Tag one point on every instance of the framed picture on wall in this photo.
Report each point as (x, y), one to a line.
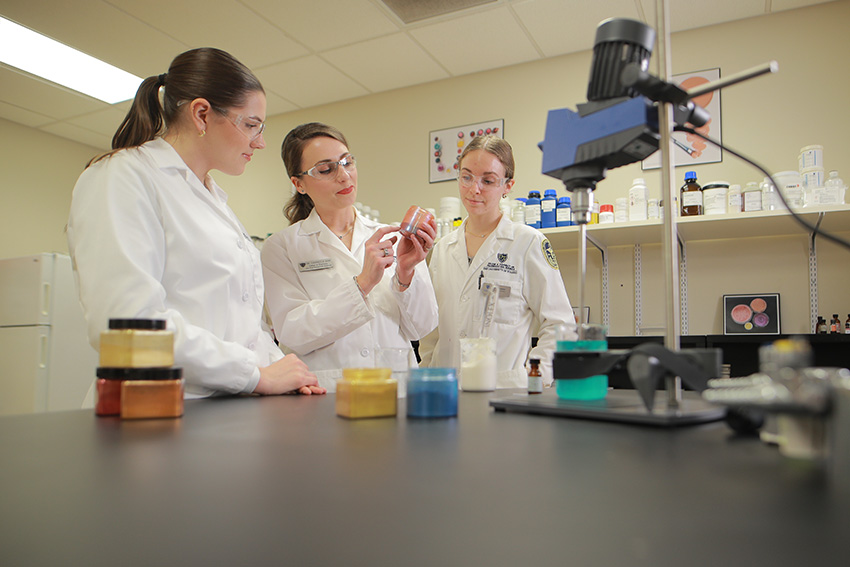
(446, 145)
(751, 314)
(690, 150)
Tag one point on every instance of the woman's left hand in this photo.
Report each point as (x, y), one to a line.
(412, 249)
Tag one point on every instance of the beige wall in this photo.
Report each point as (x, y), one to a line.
(769, 118)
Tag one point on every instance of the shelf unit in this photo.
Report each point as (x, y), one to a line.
(831, 219)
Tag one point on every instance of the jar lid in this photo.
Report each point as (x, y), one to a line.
(716, 185)
(168, 373)
(534, 361)
(606, 208)
(146, 324)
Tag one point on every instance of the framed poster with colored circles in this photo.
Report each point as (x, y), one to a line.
(445, 147)
(751, 314)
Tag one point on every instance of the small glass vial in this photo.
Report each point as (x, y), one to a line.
(690, 195)
(847, 325)
(821, 328)
(535, 378)
(835, 324)
(415, 217)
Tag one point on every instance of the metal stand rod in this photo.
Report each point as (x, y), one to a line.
(671, 250)
(582, 270)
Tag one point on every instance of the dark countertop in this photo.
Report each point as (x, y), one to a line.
(283, 481)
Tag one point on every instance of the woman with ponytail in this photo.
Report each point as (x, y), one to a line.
(151, 236)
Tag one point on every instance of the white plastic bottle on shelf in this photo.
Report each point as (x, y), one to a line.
(637, 200)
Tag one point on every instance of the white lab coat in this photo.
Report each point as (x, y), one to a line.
(148, 240)
(317, 311)
(518, 258)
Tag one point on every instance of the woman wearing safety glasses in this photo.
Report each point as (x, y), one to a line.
(338, 286)
(151, 235)
(489, 247)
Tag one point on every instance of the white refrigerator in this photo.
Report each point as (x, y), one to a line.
(46, 362)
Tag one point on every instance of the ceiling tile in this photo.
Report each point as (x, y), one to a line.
(386, 63)
(81, 135)
(325, 24)
(37, 95)
(484, 40)
(22, 115)
(554, 24)
(308, 81)
(691, 14)
(231, 26)
(104, 122)
(275, 104)
(100, 30)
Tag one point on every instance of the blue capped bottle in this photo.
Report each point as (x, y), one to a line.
(532, 209)
(563, 212)
(548, 218)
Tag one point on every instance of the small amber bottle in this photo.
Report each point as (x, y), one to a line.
(690, 195)
(535, 378)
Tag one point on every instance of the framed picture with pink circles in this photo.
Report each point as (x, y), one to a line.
(756, 314)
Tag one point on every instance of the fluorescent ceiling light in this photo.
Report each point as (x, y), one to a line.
(39, 55)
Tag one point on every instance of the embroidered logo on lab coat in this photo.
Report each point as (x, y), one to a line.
(549, 253)
(502, 257)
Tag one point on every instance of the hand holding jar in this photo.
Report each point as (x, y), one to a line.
(419, 230)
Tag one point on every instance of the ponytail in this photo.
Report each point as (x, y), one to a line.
(298, 208)
(144, 121)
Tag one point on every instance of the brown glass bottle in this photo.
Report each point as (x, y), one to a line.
(690, 196)
(535, 378)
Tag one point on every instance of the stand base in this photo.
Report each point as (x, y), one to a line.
(624, 406)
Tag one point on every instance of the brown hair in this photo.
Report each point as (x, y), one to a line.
(205, 72)
(292, 151)
(496, 146)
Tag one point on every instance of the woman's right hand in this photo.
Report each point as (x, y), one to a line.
(288, 375)
(376, 259)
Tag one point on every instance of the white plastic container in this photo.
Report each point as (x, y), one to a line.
(449, 207)
(811, 156)
(812, 177)
(637, 200)
(621, 209)
(714, 197)
(606, 214)
(791, 185)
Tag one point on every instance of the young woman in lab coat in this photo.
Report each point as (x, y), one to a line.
(338, 286)
(489, 247)
(151, 235)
